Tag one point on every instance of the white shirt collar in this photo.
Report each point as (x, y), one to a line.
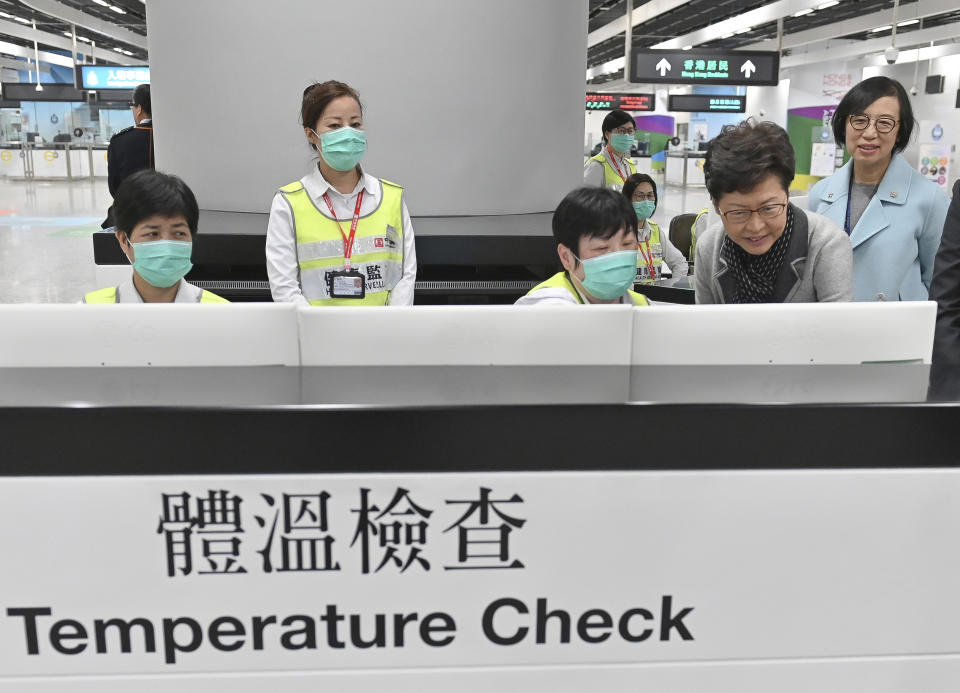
(316, 185)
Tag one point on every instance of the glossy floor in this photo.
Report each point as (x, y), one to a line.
(46, 251)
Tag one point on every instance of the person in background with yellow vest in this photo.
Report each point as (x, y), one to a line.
(613, 165)
(596, 234)
(655, 247)
(339, 236)
(156, 216)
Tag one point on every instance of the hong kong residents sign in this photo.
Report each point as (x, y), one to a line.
(705, 66)
(172, 575)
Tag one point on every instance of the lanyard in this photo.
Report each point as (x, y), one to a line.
(613, 160)
(648, 258)
(846, 223)
(347, 242)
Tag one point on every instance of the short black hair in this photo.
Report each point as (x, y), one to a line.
(147, 193)
(859, 98)
(591, 212)
(141, 97)
(636, 179)
(742, 155)
(615, 119)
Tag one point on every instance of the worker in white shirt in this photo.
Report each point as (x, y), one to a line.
(339, 236)
(156, 216)
(655, 247)
(596, 234)
(613, 165)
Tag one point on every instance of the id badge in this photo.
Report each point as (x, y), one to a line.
(347, 284)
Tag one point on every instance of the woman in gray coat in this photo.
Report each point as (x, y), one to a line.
(764, 249)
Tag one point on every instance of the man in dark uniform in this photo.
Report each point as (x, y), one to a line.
(130, 149)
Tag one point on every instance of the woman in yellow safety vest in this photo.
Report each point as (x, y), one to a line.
(613, 165)
(339, 236)
(156, 216)
(655, 247)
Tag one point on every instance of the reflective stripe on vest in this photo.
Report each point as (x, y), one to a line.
(562, 281)
(656, 250)
(610, 175)
(377, 248)
(109, 295)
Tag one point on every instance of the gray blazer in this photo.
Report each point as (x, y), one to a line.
(818, 265)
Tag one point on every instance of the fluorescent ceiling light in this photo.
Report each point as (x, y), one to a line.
(127, 53)
(102, 3)
(743, 30)
(22, 20)
(803, 12)
(83, 38)
(907, 22)
(885, 27)
(686, 48)
(68, 34)
(117, 9)
(727, 35)
(828, 3)
(118, 50)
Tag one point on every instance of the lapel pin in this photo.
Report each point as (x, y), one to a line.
(829, 194)
(893, 193)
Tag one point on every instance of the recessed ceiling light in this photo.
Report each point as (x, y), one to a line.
(885, 27)
(22, 20)
(127, 53)
(743, 30)
(102, 3)
(68, 34)
(118, 50)
(828, 3)
(908, 22)
(117, 9)
(803, 12)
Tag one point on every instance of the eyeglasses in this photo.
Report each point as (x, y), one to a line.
(742, 216)
(624, 131)
(638, 196)
(883, 124)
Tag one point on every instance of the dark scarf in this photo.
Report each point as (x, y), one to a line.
(757, 274)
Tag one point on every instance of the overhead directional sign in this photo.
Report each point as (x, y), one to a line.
(707, 103)
(100, 77)
(757, 68)
(623, 102)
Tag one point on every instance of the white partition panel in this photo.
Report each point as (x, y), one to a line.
(50, 335)
(474, 336)
(474, 107)
(788, 333)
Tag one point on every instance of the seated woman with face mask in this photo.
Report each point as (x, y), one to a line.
(655, 247)
(763, 249)
(596, 234)
(156, 216)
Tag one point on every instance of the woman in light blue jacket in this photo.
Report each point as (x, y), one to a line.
(893, 215)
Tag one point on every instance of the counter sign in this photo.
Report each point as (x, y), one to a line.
(623, 102)
(101, 77)
(758, 68)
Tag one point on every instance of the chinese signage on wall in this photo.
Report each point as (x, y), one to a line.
(707, 103)
(757, 68)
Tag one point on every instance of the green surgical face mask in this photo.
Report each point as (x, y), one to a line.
(609, 276)
(644, 209)
(162, 263)
(621, 143)
(342, 148)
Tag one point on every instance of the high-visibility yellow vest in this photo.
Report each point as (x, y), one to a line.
(562, 281)
(693, 232)
(377, 247)
(656, 251)
(109, 295)
(610, 175)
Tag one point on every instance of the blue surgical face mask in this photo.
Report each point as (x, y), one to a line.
(342, 148)
(621, 143)
(609, 276)
(162, 263)
(644, 209)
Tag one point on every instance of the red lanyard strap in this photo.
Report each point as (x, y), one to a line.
(347, 241)
(648, 258)
(613, 160)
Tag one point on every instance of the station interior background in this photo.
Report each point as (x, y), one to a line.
(229, 117)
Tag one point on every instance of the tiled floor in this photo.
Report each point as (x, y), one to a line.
(46, 254)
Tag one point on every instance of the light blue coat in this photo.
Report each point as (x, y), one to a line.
(897, 237)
